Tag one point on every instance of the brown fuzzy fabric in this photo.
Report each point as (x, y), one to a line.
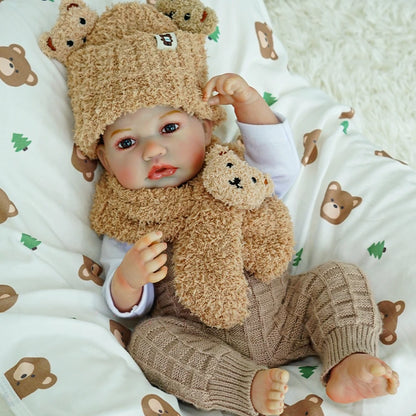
(189, 15)
(75, 22)
(133, 57)
(221, 223)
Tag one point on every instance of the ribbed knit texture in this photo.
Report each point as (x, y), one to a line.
(182, 359)
(327, 312)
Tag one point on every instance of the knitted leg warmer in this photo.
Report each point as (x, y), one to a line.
(181, 358)
(341, 316)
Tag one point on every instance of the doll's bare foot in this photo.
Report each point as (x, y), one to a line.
(268, 391)
(361, 376)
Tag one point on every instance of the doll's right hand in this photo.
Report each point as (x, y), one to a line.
(144, 262)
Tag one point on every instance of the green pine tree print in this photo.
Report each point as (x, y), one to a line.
(377, 249)
(345, 124)
(268, 97)
(307, 370)
(298, 257)
(30, 242)
(20, 142)
(215, 35)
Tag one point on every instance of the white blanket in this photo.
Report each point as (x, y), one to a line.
(61, 350)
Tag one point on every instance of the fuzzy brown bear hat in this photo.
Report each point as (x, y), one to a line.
(132, 56)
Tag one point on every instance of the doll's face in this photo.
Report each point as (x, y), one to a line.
(155, 147)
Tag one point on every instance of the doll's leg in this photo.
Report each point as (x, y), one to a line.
(343, 323)
(181, 358)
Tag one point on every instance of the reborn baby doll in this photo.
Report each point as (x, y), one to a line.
(137, 79)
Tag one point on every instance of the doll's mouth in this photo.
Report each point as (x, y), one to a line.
(204, 16)
(161, 171)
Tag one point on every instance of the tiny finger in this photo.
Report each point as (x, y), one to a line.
(155, 264)
(159, 275)
(150, 253)
(209, 88)
(147, 240)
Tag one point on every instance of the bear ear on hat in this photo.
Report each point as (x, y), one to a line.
(75, 21)
(188, 15)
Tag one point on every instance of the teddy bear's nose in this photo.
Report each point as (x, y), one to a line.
(236, 182)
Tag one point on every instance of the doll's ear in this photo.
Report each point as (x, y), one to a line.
(208, 126)
(102, 157)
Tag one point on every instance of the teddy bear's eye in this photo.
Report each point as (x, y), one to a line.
(82, 21)
(229, 165)
(254, 179)
(171, 14)
(187, 16)
(70, 43)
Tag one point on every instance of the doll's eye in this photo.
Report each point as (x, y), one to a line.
(254, 179)
(229, 165)
(187, 16)
(170, 128)
(82, 21)
(126, 143)
(70, 43)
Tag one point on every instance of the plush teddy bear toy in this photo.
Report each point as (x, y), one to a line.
(235, 224)
(76, 20)
(189, 15)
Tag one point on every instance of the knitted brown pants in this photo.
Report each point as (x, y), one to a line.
(327, 312)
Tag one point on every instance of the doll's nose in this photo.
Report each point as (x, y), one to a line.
(153, 149)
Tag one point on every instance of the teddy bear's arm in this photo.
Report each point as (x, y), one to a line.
(268, 240)
(208, 266)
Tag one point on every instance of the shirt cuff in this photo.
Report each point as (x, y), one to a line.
(141, 309)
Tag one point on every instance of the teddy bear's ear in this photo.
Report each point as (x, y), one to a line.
(210, 21)
(269, 185)
(75, 21)
(215, 151)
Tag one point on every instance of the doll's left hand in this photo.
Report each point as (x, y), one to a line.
(231, 89)
(249, 105)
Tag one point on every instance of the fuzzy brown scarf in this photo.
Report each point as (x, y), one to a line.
(221, 223)
(126, 214)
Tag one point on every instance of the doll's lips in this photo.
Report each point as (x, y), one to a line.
(161, 171)
(204, 16)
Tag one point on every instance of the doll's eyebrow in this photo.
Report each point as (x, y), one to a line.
(119, 131)
(169, 113)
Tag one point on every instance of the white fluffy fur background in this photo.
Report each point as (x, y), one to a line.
(363, 53)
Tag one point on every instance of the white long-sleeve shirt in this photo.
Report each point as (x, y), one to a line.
(270, 148)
